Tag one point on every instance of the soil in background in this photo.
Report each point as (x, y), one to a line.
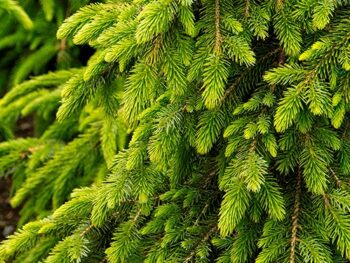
(8, 215)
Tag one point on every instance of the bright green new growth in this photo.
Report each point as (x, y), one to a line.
(238, 147)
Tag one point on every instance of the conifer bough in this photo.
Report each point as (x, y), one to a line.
(239, 145)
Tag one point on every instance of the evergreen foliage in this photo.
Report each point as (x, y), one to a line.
(28, 43)
(198, 131)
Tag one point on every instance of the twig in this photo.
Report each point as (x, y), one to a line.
(247, 8)
(218, 37)
(202, 213)
(88, 229)
(203, 240)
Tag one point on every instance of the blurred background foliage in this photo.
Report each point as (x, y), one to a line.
(29, 47)
(28, 42)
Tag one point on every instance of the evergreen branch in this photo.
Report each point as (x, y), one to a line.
(87, 230)
(186, 72)
(201, 214)
(246, 72)
(339, 183)
(203, 240)
(138, 214)
(295, 217)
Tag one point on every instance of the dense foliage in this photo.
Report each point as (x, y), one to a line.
(203, 131)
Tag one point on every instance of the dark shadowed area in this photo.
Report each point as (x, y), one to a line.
(8, 215)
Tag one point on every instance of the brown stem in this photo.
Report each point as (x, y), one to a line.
(136, 216)
(63, 44)
(247, 8)
(336, 178)
(218, 37)
(281, 60)
(326, 201)
(86, 230)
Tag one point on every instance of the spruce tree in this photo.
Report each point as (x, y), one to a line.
(236, 123)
